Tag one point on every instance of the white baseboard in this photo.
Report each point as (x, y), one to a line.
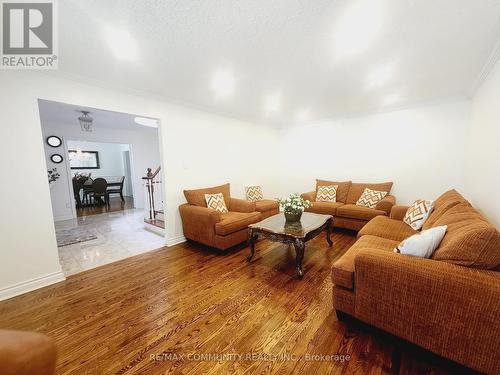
(29, 285)
(175, 240)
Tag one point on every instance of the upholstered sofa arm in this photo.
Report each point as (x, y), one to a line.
(241, 205)
(426, 301)
(386, 204)
(310, 196)
(198, 223)
(398, 212)
(26, 353)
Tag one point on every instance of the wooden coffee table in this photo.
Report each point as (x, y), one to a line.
(276, 229)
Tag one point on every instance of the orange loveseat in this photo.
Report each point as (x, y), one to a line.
(345, 212)
(449, 304)
(213, 228)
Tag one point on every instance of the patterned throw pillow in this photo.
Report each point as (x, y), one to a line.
(370, 198)
(327, 193)
(216, 202)
(418, 213)
(254, 193)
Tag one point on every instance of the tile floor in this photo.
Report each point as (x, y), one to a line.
(119, 235)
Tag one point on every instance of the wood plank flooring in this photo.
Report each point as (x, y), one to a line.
(156, 313)
(115, 204)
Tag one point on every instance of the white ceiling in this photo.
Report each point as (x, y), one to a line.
(296, 48)
(67, 114)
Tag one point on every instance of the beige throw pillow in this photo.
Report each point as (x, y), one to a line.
(254, 193)
(370, 198)
(216, 202)
(418, 213)
(327, 193)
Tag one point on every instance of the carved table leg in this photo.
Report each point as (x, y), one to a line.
(329, 232)
(299, 250)
(251, 241)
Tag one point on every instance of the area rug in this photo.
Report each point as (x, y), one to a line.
(71, 236)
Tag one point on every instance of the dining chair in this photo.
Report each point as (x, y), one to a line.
(118, 189)
(87, 189)
(99, 190)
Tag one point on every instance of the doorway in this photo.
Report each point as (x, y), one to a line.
(98, 183)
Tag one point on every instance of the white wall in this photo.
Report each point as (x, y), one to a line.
(421, 150)
(483, 148)
(145, 152)
(198, 149)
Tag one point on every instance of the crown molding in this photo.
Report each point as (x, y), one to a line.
(493, 58)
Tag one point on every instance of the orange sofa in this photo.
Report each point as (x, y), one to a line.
(345, 212)
(449, 304)
(267, 207)
(26, 353)
(213, 228)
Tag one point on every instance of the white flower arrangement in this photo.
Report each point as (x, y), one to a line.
(294, 204)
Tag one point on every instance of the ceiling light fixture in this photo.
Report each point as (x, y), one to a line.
(272, 103)
(357, 28)
(86, 122)
(144, 121)
(122, 44)
(223, 83)
(380, 75)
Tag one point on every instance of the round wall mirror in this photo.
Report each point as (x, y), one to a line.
(54, 141)
(56, 158)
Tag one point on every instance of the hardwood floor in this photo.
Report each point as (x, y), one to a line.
(115, 204)
(143, 314)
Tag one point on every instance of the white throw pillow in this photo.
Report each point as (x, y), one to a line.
(422, 244)
(418, 213)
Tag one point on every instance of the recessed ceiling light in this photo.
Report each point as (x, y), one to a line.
(391, 99)
(380, 75)
(144, 121)
(272, 102)
(122, 44)
(223, 83)
(357, 28)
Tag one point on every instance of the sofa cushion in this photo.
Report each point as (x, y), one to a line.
(266, 205)
(470, 240)
(382, 226)
(358, 212)
(343, 269)
(234, 221)
(356, 189)
(370, 198)
(197, 197)
(327, 193)
(254, 193)
(442, 204)
(342, 188)
(326, 208)
(216, 202)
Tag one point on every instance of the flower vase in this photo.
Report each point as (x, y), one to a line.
(292, 217)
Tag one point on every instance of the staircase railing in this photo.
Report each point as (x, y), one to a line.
(154, 195)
